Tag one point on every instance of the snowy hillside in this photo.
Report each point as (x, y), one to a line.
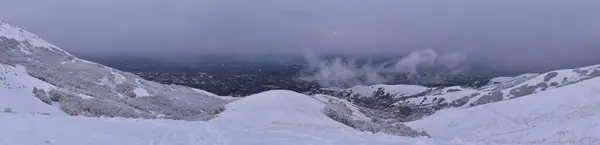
(567, 115)
(513, 80)
(278, 108)
(16, 92)
(91, 89)
(425, 101)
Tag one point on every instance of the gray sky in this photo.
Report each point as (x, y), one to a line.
(508, 33)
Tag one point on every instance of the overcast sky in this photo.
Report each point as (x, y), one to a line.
(502, 32)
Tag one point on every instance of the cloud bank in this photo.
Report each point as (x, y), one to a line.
(346, 72)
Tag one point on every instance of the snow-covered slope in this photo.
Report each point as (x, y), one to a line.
(278, 108)
(269, 118)
(28, 129)
(91, 89)
(422, 101)
(16, 92)
(567, 115)
(504, 88)
(509, 80)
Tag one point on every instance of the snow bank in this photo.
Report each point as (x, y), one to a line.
(566, 115)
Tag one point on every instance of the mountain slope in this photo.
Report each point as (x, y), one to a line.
(106, 91)
(426, 101)
(16, 92)
(567, 115)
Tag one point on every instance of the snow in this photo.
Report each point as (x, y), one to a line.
(84, 96)
(16, 88)
(141, 92)
(28, 129)
(227, 98)
(280, 108)
(11, 31)
(502, 80)
(356, 114)
(269, 118)
(119, 78)
(400, 90)
(566, 115)
(448, 97)
(104, 81)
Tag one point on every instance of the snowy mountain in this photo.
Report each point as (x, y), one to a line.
(566, 115)
(49, 96)
(80, 87)
(43, 84)
(424, 101)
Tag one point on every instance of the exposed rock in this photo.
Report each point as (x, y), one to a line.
(492, 97)
(550, 75)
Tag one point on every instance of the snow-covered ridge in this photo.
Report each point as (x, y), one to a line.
(430, 100)
(13, 32)
(83, 85)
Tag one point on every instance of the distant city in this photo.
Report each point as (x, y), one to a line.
(235, 76)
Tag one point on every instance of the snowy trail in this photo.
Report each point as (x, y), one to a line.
(31, 129)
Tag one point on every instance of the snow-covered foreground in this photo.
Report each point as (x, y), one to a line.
(29, 129)
(567, 115)
(270, 118)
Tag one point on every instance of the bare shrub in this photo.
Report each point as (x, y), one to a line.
(41, 94)
(341, 113)
(8, 110)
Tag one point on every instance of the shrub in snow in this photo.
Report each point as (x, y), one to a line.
(126, 89)
(75, 105)
(489, 98)
(215, 111)
(55, 95)
(341, 113)
(41, 94)
(453, 90)
(7, 110)
(550, 75)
